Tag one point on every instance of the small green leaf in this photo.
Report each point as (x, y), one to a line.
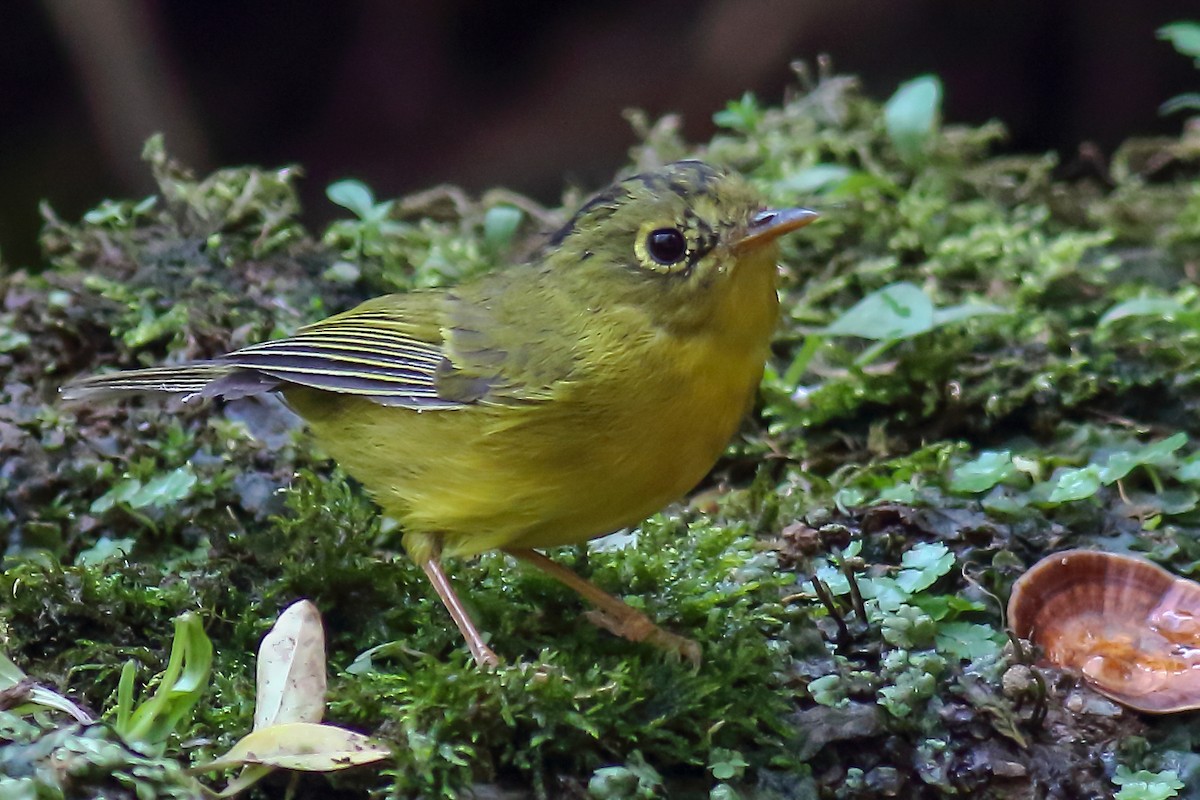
(945, 606)
(740, 115)
(1160, 453)
(817, 178)
(829, 690)
(352, 195)
(1076, 484)
(886, 592)
(1189, 469)
(1184, 37)
(911, 115)
(635, 779)
(1163, 307)
(13, 340)
(968, 641)
(1117, 467)
(164, 490)
(1146, 785)
(500, 224)
(850, 497)
(10, 673)
(160, 491)
(343, 272)
(898, 311)
(922, 565)
(105, 549)
(120, 493)
(899, 493)
(990, 468)
(612, 783)
(726, 764)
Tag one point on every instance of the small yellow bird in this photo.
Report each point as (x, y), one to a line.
(545, 404)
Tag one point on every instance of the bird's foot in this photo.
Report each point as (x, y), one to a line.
(485, 657)
(635, 626)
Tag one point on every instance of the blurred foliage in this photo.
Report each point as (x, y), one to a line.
(1185, 38)
(980, 362)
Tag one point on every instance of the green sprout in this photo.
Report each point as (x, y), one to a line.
(147, 726)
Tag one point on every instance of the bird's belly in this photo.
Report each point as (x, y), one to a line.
(547, 474)
(599, 472)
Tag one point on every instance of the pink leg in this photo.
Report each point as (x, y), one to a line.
(612, 614)
(483, 654)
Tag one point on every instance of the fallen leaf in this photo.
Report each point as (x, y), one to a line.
(291, 669)
(304, 746)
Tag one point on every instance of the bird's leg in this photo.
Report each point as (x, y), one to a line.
(610, 613)
(483, 654)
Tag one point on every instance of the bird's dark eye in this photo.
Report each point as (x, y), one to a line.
(666, 246)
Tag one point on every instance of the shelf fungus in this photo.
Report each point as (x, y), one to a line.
(1131, 628)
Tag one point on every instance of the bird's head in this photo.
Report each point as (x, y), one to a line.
(674, 237)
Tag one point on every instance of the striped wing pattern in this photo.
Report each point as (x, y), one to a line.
(353, 356)
(367, 352)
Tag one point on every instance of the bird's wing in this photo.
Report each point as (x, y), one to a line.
(421, 350)
(424, 350)
(387, 350)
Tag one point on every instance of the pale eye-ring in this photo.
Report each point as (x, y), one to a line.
(666, 246)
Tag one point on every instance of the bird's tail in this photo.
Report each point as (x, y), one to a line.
(199, 379)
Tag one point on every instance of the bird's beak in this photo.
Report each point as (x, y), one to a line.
(767, 226)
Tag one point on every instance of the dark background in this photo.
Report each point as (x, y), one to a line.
(525, 94)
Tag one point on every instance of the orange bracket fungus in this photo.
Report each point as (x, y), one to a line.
(1131, 628)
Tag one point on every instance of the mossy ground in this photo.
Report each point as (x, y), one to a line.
(933, 463)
